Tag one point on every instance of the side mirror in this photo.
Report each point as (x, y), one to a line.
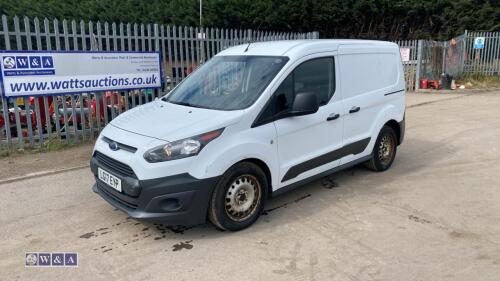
(304, 104)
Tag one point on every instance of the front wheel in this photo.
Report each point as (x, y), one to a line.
(239, 197)
(384, 150)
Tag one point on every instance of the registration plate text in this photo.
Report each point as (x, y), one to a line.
(109, 179)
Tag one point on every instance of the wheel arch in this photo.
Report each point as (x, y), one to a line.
(261, 164)
(396, 127)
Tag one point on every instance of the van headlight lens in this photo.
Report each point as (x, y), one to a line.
(182, 148)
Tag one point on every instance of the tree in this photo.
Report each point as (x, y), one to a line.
(377, 19)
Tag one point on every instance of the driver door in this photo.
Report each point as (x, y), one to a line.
(307, 144)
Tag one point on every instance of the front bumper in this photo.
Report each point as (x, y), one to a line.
(174, 200)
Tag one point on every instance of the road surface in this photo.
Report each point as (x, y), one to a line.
(433, 216)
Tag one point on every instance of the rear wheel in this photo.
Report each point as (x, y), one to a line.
(239, 197)
(384, 150)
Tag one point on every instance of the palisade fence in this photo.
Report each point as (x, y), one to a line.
(31, 121)
(485, 61)
(457, 57)
(410, 66)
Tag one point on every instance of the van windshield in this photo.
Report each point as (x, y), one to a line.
(227, 82)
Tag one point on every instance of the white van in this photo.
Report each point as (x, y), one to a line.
(252, 122)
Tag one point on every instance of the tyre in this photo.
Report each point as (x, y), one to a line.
(384, 150)
(239, 197)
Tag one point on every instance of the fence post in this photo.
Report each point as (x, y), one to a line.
(463, 53)
(5, 101)
(443, 62)
(419, 61)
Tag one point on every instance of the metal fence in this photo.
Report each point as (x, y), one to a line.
(457, 57)
(31, 121)
(410, 65)
(485, 61)
(431, 64)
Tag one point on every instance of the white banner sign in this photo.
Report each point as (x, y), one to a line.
(405, 54)
(45, 73)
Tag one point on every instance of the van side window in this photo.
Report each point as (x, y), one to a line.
(284, 95)
(280, 101)
(315, 76)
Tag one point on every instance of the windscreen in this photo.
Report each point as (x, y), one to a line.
(227, 82)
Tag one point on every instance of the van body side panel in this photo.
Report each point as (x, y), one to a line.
(239, 144)
(303, 139)
(367, 74)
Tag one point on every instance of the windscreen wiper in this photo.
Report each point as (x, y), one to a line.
(187, 104)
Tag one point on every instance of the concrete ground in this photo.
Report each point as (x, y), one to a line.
(31, 164)
(433, 216)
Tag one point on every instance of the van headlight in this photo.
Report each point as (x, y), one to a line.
(182, 148)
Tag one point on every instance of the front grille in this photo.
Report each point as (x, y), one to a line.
(114, 165)
(110, 196)
(120, 145)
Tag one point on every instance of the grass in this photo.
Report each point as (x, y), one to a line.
(52, 144)
(479, 81)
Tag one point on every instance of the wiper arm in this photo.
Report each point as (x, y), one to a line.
(187, 104)
(181, 103)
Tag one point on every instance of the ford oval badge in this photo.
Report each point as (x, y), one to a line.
(113, 146)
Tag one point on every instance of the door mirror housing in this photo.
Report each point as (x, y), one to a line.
(304, 104)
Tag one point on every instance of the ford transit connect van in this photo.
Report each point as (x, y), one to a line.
(252, 122)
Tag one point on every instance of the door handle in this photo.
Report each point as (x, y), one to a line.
(332, 116)
(354, 109)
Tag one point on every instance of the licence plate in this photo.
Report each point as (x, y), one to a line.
(109, 179)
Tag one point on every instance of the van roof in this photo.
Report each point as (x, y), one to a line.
(298, 47)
